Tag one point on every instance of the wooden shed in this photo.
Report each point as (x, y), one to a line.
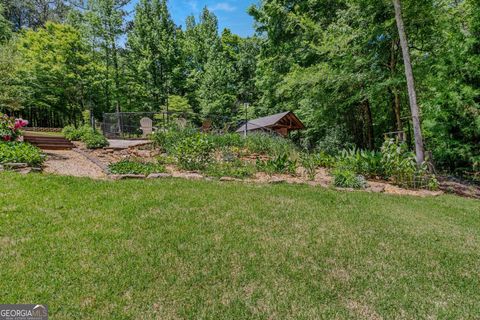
(280, 123)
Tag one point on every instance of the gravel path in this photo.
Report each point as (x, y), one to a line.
(71, 163)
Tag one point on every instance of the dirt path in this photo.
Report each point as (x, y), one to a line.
(71, 163)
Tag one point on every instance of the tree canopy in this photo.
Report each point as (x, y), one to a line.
(337, 63)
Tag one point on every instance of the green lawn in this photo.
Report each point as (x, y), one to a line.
(178, 249)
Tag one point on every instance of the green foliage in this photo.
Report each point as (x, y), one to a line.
(56, 66)
(227, 140)
(20, 152)
(278, 164)
(268, 144)
(309, 163)
(364, 162)
(135, 167)
(153, 49)
(76, 134)
(235, 169)
(347, 178)
(400, 167)
(168, 139)
(194, 152)
(94, 140)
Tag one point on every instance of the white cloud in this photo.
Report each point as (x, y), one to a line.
(223, 6)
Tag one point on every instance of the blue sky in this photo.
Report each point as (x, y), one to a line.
(231, 14)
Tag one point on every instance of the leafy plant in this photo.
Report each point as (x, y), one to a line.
(10, 127)
(20, 152)
(364, 162)
(309, 163)
(94, 140)
(235, 169)
(135, 167)
(400, 166)
(346, 178)
(278, 164)
(227, 140)
(169, 138)
(72, 133)
(194, 152)
(268, 144)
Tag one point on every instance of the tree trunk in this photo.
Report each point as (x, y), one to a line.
(368, 124)
(417, 130)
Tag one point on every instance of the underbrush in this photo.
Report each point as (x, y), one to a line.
(193, 150)
(20, 152)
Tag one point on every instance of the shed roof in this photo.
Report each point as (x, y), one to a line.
(284, 119)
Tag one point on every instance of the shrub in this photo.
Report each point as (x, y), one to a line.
(227, 140)
(278, 164)
(268, 144)
(135, 167)
(309, 163)
(20, 152)
(235, 169)
(194, 152)
(346, 178)
(366, 163)
(10, 127)
(76, 134)
(334, 141)
(323, 159)
(400, 166)
(94, 140)
(168, 139)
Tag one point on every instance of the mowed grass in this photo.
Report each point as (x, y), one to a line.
(178, 249)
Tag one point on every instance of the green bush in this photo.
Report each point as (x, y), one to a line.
(268, 144)
(227, 140)
(135, 167)
(364, 162)
(346, 178)
(20, 152)
(309, 163)
(399, 165)
(194, 152)
(94, 140)
(278, 164)
(76, 134)
(235, 169)
(167, 140)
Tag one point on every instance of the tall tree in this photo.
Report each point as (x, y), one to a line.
(417, 129)
(154, 52)
(106, 19)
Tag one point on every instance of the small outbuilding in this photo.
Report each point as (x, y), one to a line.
(280, 123)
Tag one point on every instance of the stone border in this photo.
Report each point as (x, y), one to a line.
(22, 168)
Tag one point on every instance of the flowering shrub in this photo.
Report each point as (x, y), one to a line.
(10, 127)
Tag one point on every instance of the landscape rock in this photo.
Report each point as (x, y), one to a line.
(227, 179)
(376, 188)
(193, 176)
(15, 165)
(276, 180)
(126, 176)
(159, 175)
(24, 170)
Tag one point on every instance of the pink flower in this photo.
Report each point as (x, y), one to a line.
(20, 123)
(7, 138)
